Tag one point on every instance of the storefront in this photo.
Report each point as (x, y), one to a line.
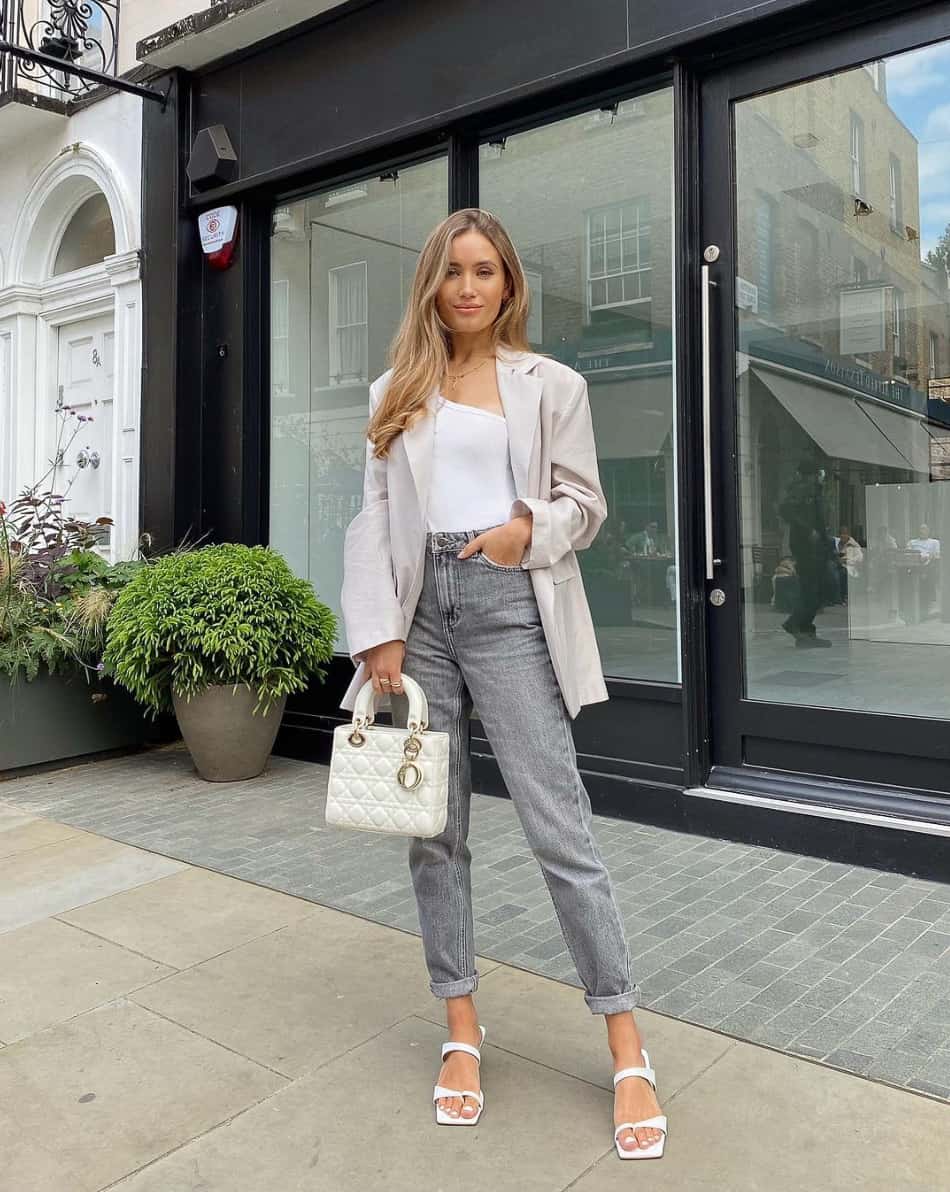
(737, 228)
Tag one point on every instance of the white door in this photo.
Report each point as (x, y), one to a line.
(85, 384)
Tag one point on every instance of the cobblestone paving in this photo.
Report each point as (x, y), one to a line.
(846, 965)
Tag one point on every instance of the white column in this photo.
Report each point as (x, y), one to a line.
(125, 275)
(19, 308)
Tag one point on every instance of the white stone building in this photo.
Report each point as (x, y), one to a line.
(70, 272)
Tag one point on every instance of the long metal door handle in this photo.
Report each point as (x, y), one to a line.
(711, 560)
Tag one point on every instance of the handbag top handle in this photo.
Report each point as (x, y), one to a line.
(364, 709)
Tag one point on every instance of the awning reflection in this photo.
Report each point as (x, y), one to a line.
(845, 427)
(633, 416)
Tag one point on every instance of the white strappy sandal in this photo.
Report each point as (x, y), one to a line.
(446, 1119)
(658, 1122)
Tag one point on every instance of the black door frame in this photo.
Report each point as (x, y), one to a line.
(751, 736)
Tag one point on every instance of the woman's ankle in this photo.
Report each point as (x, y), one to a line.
(623, 1036)
(460, 1013)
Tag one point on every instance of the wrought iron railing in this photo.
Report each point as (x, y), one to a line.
(84, 33)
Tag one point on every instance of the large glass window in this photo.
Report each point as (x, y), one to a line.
(843, 384)
(599, 253)
(342, 262)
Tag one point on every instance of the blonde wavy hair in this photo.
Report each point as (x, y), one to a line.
(420, 351)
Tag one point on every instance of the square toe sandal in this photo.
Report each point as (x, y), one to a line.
(446, 1119)
(658, 1122)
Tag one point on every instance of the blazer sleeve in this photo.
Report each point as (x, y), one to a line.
(577, 508)
(371, 610)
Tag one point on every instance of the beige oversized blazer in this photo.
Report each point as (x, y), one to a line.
(554, 463)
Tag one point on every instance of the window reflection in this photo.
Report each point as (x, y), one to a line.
(843, 375)
(342, 262)
(600, 250)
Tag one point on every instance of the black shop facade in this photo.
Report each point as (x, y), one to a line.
(734, 224)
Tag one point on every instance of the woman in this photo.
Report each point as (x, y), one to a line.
(481, 481)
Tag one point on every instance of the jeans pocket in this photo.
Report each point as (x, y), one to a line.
(498, 566)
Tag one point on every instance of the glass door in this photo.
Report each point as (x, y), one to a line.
(827, 354)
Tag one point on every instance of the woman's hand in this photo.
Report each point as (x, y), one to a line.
(385, 662)
(502, 544)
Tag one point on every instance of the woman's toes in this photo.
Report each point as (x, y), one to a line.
(469, 1108)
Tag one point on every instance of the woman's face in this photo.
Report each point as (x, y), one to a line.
(474, 286)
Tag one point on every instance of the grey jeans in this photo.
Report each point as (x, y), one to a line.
(477, 635)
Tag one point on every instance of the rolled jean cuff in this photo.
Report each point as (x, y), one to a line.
(615, 1004)
(455, 988)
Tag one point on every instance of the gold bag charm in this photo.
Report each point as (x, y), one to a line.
(411, 749)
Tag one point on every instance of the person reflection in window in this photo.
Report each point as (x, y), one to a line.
(850, 560)
(924, 544)
(929, 550)
(882, 578)
(803, 507)
(644, 541)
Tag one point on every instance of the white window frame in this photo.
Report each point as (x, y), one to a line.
(894, 195)
(535, 327)
(873, 69)
(898, 322)
(640, 202)
(766, 279)
(280, 337)
(335, 326)
(857, 154)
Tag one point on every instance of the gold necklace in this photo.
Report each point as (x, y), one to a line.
(456, 377)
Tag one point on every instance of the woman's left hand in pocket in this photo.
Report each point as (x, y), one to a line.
(503, 544)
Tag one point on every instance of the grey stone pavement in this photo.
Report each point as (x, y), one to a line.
(840, 964)
(166, 1028)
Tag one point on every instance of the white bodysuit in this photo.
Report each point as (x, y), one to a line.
(472, 485)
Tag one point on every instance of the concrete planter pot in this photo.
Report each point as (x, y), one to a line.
(227, 742)
(55, 717)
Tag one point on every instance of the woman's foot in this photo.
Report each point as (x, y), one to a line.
(460, 1071)
(634, 1098)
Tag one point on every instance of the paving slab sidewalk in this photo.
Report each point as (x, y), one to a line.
(845, 964)
(165, 1028)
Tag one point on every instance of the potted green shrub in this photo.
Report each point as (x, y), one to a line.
(222, 635)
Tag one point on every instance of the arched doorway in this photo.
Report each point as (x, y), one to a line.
(76, 360)
(85, 376)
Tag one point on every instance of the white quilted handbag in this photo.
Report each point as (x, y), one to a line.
(386, 779)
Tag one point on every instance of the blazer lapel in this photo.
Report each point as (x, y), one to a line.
(520, 393)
